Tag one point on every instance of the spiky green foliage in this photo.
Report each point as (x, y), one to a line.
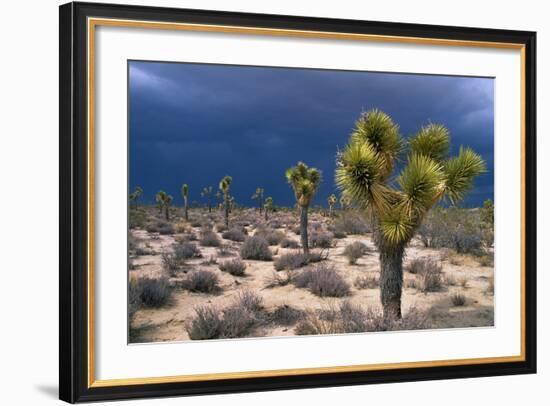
(268, 206)
(164, 200)
(428, 176)
(185, 195)
(331, 200)
(304, 181)
(136, 194)
(224, 186)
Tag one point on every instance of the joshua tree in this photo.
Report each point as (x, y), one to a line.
(207, 194)
(135, 195)
(488, 212)
(305, 182)
(259, 196)
(185, 195)
(225, 184)
(268, 206)
(363, 173)
(331, 202)
(163, 201)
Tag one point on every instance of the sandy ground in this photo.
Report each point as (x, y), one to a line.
(168, 323)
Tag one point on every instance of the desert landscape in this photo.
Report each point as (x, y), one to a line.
(199, 279)
(274, 201)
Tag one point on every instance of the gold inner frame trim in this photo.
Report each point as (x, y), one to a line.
(94, 22)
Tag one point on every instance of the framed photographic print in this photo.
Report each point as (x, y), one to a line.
(258, 202)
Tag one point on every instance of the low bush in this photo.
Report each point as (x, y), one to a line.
(285, 315)
(234, 234)
(235, 267)
(290, 261)
(322, 280)
(201, 281)
(257, 248)
(137, 218)
(237, 320)
(350, 318)
(352, 223)
(186, 250)
(339, 234)
(354, 251)
(321, 240)
(430, 281)
(273, 237)
(221, 227)
(289, 243)
(210, 239)
(206, 325)
(423, 265)
(458, 299)
(166, 228)
(366, 282)
(279, 279)
(154, 292)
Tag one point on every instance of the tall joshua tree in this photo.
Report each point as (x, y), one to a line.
(305, 182)
(259, 196)
(363, 173)
(135, 195)
(268, 207)
(207, 194)
(185, 195)
(225, 184)
(331, 202)
(163, 201)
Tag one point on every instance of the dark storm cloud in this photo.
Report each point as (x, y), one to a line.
(195, 123)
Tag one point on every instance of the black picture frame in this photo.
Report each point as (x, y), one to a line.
(73, 284)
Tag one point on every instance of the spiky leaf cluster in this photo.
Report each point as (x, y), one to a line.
(366, 164)
(304, 181)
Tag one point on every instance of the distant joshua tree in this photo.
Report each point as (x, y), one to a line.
(305, 182)
(331, 202)
(259, 196)
(135, 195)
(207, 194)
(185, 195)
(268, 206)
(163, 202)
(488, 212)
(364, 174)
(225, 184)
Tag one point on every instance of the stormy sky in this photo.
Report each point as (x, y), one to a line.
(195, 123)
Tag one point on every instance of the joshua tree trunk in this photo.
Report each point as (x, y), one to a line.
(226, 204)
(186, 210)
(167, 213)
(330, 213)
(391, 281)
(265, 213)
(303, 228)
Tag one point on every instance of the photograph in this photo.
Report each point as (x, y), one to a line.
(282, 201)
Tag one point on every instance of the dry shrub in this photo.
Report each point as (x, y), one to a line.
(354, 251)
(321, 240)
(366, 282)
(352, 223)
(234, 234)
(153, 292)
(201, 281)
(423, 265)
(237, 320)
(458, 299)
(235, 267)
(463, 281)
(350, 318)
(289, 243)
(209, 239)
(290, 261)
(257, 248)
(322, 280)
(285, 315)
(225, 250)
(186, 250)
(273, 237)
